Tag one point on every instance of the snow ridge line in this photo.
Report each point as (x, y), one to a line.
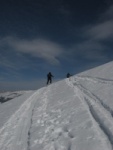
(14, 134)
(95, 79)
(100, 115)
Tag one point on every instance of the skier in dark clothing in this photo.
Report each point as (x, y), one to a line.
(49, 78)
(68, 75)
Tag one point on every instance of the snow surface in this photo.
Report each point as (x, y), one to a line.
(11, 102)
(72, 114)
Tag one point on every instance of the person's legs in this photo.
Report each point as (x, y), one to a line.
(49, 80)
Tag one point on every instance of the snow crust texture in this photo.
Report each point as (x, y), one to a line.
(72, 114)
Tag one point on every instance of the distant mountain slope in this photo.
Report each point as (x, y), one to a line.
(11, 102)
(6, 96)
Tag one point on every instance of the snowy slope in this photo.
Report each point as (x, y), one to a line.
(72, 114)
(11, 101)
(104, 71)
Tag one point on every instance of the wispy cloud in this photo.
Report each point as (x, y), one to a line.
(94, 47)
(6, 63)
(101, 31)
(44, 49)
(13, 61)
(108, 14)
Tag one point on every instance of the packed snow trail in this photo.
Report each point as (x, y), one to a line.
(95, 79)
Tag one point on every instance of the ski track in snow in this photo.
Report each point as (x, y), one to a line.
(101, 113)
(102, 136)
(15, 134)
(95, 79)
(95, 98)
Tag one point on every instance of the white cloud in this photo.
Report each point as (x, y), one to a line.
(6, 63)
(109, 13)
(40, 48)
(101, 31)
(14, 61)
(95, 35)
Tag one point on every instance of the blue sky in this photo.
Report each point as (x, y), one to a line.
(38, 36)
